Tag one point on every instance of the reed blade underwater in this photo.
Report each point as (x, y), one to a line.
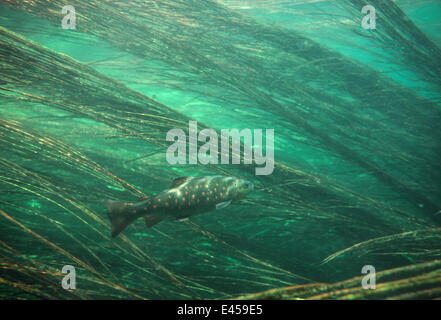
(186, 197)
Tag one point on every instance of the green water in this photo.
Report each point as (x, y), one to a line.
(84, 115)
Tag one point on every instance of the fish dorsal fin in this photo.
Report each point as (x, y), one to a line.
(178, 181)
(222, 205)
(143, 198)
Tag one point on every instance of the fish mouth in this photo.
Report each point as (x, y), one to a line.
(248, 185)
(241, 188)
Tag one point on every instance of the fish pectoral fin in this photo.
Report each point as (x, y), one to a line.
(151, 220)
(178, 181)
(182, 218)
(222, 205)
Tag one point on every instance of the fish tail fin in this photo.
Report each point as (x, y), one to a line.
(119, 217)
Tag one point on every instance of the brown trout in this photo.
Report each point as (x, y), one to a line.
(186, 197)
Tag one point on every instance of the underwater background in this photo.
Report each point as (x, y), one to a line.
(84, 115)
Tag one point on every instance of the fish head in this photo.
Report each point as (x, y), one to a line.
(238, 188)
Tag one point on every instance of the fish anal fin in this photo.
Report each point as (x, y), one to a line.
(178, 181)
(151, 220)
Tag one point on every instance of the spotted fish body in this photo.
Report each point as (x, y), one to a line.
(187, 196)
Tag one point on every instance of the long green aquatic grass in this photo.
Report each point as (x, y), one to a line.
(355, 179)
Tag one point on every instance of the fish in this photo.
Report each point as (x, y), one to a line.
(186, 197)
